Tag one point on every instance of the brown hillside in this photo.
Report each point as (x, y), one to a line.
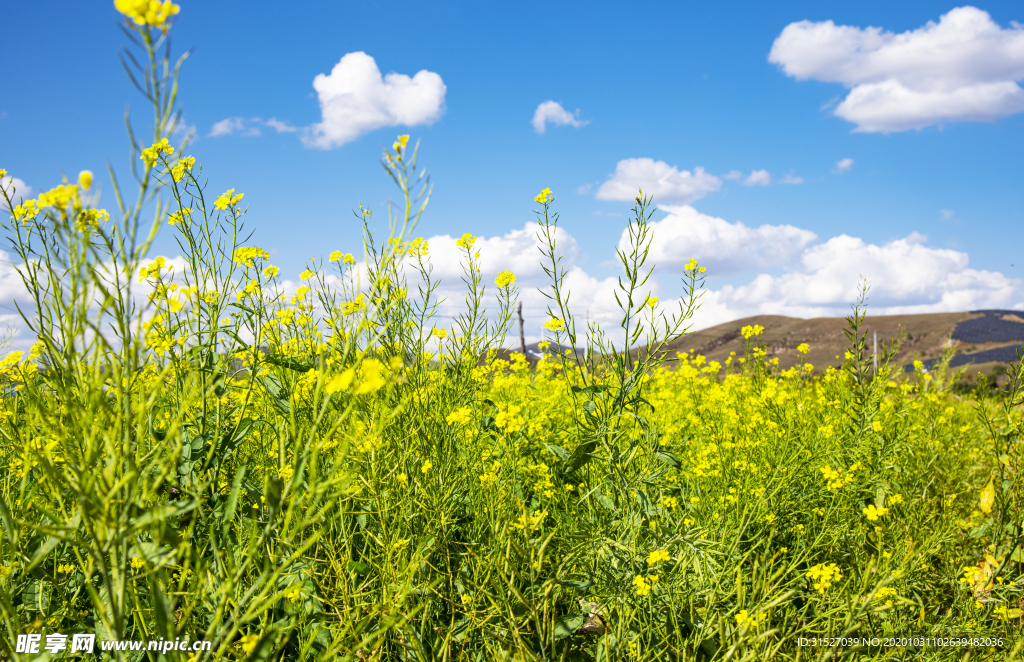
(925, 337)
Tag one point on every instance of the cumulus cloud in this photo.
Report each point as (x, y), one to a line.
(791, 179)
(758, 178)
(906, 277)
(809, 278)
(16, 188)
(724, 248)
(666, 183)
(249, 127)
(551, 112)
(963, 68)
(356, 99)
(843, 165)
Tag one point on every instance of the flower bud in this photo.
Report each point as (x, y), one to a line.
(85, 180)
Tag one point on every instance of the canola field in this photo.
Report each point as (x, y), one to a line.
(191, 453)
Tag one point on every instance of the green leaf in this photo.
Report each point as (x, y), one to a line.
(565, 626)
(277, 391)
(562, 454)
(291, 362)
(358, 567)
(668, 458)
(582, 586)
(580, 456)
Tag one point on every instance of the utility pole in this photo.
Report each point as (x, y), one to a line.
(874, 356)
(522, 337)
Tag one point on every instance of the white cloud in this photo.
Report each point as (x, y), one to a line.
(733, 174)
(279, 126)
(226, 127)
(906, 277)
(16, 188)
(843, 165)
(553, 113)
(249, 127)
(355, 99)
(758, 178)
(963, 68)
(817, 279)
(666, 183)
(791, 179)
(724, 248)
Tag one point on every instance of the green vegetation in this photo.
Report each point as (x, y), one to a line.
(189, 453)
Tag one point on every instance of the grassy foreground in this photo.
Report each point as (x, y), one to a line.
(189, 453)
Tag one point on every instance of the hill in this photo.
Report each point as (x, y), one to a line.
(984, 337)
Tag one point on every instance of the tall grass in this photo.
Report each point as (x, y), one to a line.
(190, 453)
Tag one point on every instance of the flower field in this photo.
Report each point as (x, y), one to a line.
(191, 453)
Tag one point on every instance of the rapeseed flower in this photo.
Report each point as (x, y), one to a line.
(184, 165)
(84, 180)
(874, 513)
(148, 12)
(505, 279)
(227, 200)
(544, 196)
(153, 153)
(823, 575)
(658, 556)
(554, 324)
(466, 241)
(179, 216)
(746, 618)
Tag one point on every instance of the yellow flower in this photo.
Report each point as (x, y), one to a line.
(85, 180)
(335, 256)
(751, 331)
(657, 557)
(803, 348)
(554, 324)
(270, 271)
(823, 575)
(246, 254)
(184, 165)
(137, 563)
(152, 154)
(148, 12)
(400, 144)
(341, 382)
(306, 275)
(873, 513)
(371, 377)
(248, 643)
(426, 467)
(746, 618)
(440, 333)
(402, 478)
(179, 216)
(642, 586)
(466, 241)
(348, 259)
(652, 302)
(544, 196)
(505, 279)
(90, 219)
(460, 416)
(227, 200)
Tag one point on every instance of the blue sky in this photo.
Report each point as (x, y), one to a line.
(687, 84)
